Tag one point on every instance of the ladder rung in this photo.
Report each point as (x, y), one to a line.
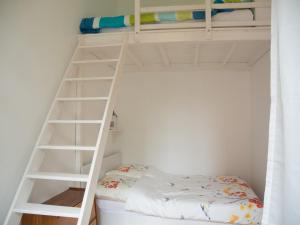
(95, 61)
(48, 210)
(58, 176)
(66, 147)
(101, 46)
(88, 78)
(75, 121)
(83, 99)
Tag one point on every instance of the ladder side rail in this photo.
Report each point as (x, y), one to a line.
(208, 19)
(25, 186)
(137, 16)
(101, 143)
(78, 114)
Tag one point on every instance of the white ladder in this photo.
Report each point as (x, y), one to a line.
(20, 204)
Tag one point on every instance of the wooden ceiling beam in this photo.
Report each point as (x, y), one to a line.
(229, 54)
(164, 55)
(135, 59)
(262, 51)
(197, 54)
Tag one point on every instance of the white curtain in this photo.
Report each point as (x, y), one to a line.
(282, 195)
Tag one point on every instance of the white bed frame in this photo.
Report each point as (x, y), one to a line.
(208, 24)
(107, 217)
(258, 29)
(208, 30)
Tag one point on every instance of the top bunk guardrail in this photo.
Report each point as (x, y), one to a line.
(259, 8)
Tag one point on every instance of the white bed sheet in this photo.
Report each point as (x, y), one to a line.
(114, 213)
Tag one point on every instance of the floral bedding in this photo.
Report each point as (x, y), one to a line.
(115, 187)
(222, 199)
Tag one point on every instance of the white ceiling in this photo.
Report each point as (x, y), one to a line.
(245, 53)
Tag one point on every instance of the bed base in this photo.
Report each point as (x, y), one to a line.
(122, 217)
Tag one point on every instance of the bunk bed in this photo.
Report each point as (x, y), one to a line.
(105, 53)
(238, 23)
(239, 20)
(217, 22)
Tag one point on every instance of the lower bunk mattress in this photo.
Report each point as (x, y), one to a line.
(136, 191)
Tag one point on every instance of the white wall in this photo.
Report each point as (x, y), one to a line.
(36, 42)
(261, 103)
(187, 122)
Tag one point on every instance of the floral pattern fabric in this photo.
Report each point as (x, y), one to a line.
(115, 187)
(224, 199)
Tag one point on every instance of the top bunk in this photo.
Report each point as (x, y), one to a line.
(216, 20)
